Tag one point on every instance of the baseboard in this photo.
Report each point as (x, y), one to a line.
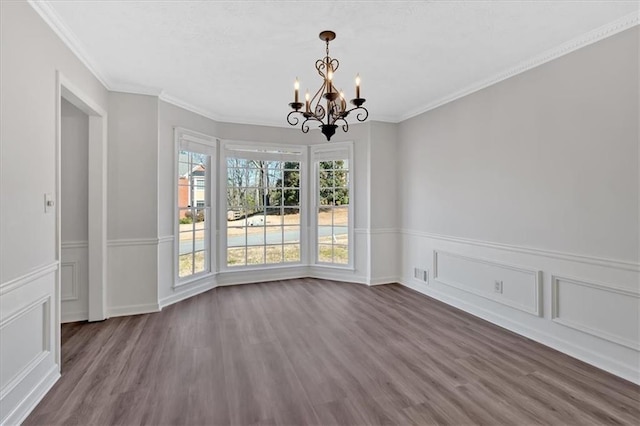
(74, 316)
(22, 411)
(383, 280)
(120, 311)
(181, 294)
(607, 364)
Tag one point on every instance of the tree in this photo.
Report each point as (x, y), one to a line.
(333, 183)
(288, 187)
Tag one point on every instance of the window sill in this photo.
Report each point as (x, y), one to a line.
(333, 266)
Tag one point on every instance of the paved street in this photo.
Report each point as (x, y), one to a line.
(258, 239)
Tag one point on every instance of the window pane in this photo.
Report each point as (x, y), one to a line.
(199, 263)
(255, 236)
(274, 215)
(236, 256)
(325, 253)
(275, 197)
(341, 216)
(325, 234)
(274, 254)
(291, 216)
(325, 216)
(292, 253)
(291, 234)
(255, 255)
(184, 219)
(273, 235)
(186, 242)
(185, 265)
(236, 237)
(340, 254)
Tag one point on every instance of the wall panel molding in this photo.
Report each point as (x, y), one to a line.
(29, 277)
(589, 260)
(44, 305)
(74, 281)
(74, 244)
(125, 242)
(534, 275)
(568, 347)
(610, 311)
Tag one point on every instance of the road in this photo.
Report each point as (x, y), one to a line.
(258, 239)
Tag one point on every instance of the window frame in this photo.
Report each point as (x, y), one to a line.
(261, 151)
(331, 152)
(189, 140)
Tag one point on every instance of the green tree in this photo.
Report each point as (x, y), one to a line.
(288, 187)
(333, 183)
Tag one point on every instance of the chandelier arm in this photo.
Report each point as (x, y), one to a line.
(319, 112)
(360, 115)
(345, 126)
(291, 117)
(335, 64)
(305, 127)
(320, 67)
(317, 96)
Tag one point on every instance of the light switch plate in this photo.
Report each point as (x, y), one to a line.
(49, 204)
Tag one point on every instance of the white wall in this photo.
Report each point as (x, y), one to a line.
(383, 209)
(132, 212)
(31, 55)
(539, 171)
(74, 209)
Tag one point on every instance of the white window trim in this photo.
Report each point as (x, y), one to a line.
(302, 155)
(326, 152)
(208, 144)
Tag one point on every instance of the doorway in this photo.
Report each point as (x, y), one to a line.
(81, 146)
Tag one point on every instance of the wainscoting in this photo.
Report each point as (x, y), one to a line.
(319, 352)
(29, 334)
(583, 306)
(74, 281)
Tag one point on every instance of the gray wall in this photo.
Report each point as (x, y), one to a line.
(74, 203)
(31, 54)
(546, 159)
(534, 183)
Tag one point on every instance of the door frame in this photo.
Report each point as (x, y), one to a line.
(97, 238)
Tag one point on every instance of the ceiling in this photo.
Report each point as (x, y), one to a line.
(236, 60)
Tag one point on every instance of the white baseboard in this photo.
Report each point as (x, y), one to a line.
(383, 280)
(120, 311)
(22, 411)
(74, 316)
(583, 354)
(188, 291)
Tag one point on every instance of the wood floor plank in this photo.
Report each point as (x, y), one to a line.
(321, 352)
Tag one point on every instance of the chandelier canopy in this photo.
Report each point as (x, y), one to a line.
(328, 106)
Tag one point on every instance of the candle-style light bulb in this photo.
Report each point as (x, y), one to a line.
(306, 97)
(343, 102)
(358, 86)
(296, 86)
(330, 75)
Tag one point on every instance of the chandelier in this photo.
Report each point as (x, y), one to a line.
(328, 106)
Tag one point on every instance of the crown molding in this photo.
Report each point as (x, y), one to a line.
(583, 40)
(49, 15)
(51, 18)
(134, 89)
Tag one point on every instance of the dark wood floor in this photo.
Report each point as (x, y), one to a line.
(320, 352)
